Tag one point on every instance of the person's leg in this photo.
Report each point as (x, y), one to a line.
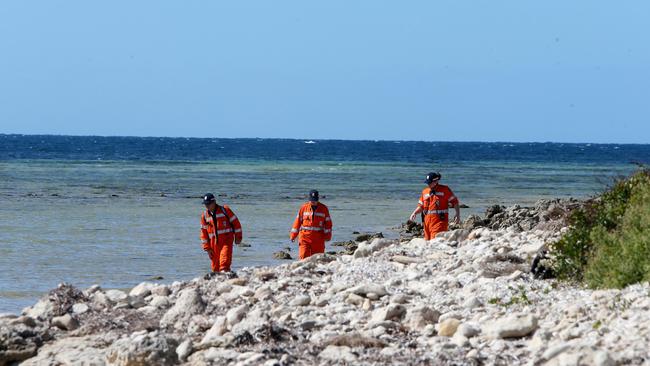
(304, 249)
(427, 225)
(440, 227)
(214, 259)
(318, 247)
(225, 258)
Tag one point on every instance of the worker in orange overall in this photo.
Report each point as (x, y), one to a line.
(434, 205)
(314, 226)
(219, 228)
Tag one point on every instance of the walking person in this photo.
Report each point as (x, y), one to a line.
(434, 204)
(312, 227)
(220, 227)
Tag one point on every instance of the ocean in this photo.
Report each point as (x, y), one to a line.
(117, 211)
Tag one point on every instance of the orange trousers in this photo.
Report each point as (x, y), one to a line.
(310, 246)
(221, 257)
(433, 225)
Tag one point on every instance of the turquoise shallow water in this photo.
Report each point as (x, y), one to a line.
(118, 223)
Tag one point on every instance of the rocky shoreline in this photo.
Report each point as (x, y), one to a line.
(464, 298)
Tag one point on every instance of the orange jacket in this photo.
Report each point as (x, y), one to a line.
(314, 224)
(438, 201)
(226, 229)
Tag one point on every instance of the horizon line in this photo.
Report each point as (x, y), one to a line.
(323, 139)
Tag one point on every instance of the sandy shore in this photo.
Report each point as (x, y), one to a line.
(463, 298)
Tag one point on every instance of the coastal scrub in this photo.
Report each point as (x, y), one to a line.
(608, 243)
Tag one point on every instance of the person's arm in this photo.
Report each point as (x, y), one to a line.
(327, 228)
(417, 209)
(295, 229)
(204, 235)
(453, 201)
(236, 225)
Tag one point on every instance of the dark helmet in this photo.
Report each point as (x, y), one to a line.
(313, 195)
(432, 176)
(208, 197)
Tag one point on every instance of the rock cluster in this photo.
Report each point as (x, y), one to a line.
(464, 298)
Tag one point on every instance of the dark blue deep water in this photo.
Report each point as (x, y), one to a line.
(211, 149)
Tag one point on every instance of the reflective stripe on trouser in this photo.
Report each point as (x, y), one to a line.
(433, 225)
(310, 246)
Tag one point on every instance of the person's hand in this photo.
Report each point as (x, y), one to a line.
(238, 241)
(456, 220)
(292, 240)
(412, 217)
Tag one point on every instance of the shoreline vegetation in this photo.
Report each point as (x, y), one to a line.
(468, 297)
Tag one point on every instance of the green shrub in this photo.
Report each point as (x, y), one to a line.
(622, 257)
(608, 243)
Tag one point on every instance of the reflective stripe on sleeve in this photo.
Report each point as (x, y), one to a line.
(452, 198)
(238, 231)
(204, 241)
(327, 231)
(211, 235)
(294, 230)
(204, 226)
(328, 219)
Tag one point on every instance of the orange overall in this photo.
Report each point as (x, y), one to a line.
(314, 227)
(218, 231)
(435, 205)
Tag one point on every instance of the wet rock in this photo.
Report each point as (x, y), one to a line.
(368, 237)
(281, 255)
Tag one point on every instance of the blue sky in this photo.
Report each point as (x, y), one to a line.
(565, 71)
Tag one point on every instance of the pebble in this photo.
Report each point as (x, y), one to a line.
(448, 327)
